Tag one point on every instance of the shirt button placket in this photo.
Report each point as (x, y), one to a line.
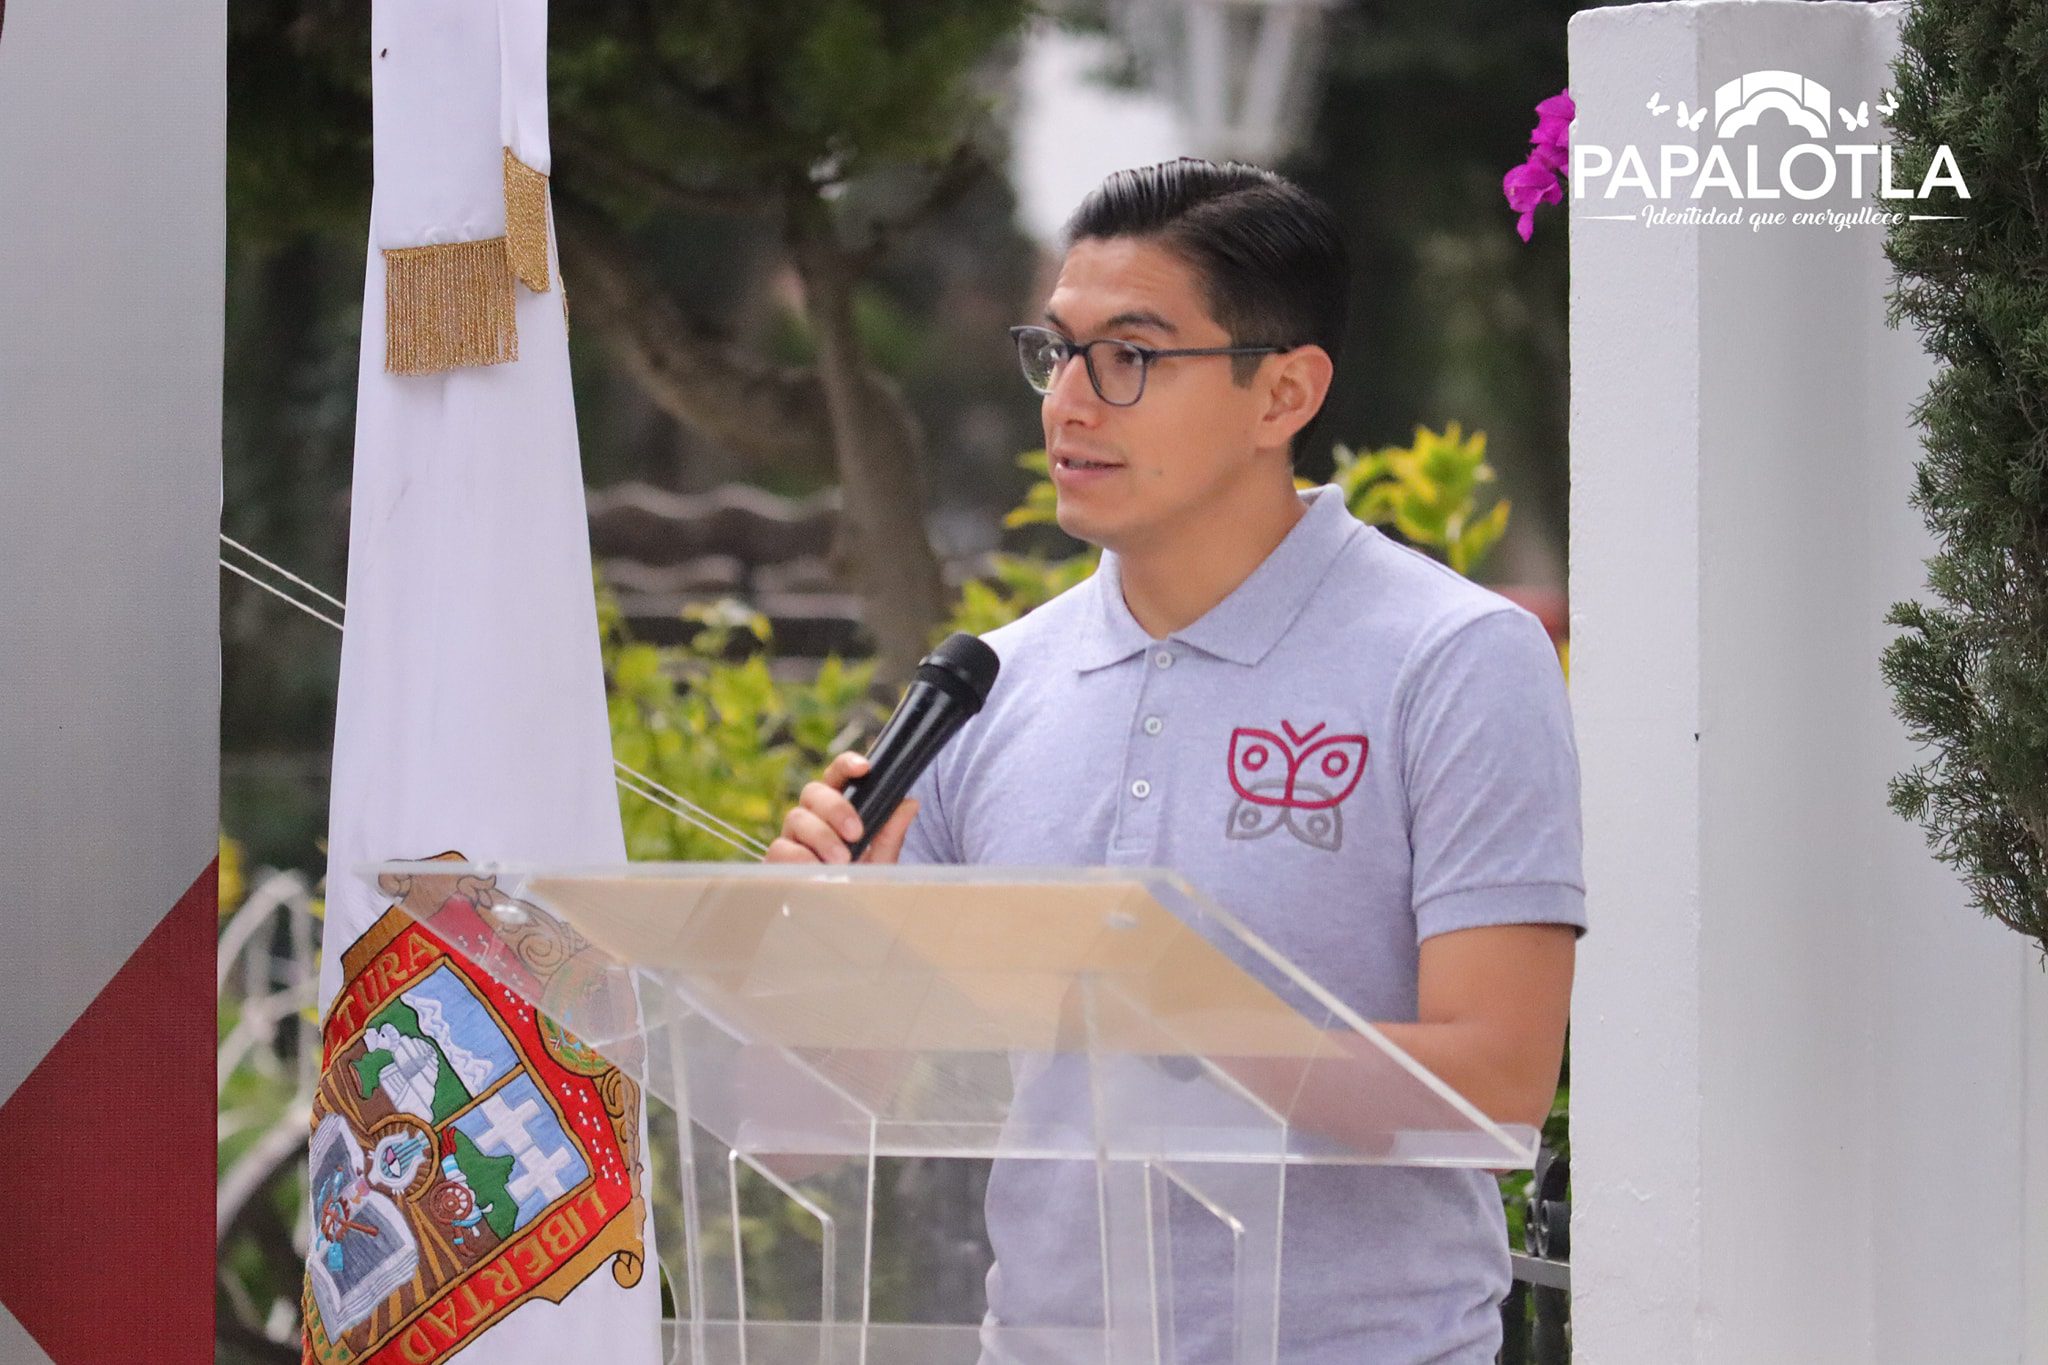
(1138, 826)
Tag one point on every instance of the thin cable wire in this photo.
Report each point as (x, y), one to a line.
(281, 569)
(642, 786)
(732, 832)
(281, 594)
(631, 781)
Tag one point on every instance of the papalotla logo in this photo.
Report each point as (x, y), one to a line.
(1806, 170)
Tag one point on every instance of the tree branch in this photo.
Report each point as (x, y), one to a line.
(771, 413)
(963, 170)
(599, 159)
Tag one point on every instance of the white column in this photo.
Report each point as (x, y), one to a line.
(1802, 1123)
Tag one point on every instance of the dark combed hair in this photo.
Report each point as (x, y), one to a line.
(1270, 255)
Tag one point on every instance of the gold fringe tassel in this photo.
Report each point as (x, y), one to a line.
(526, 222)
(447, 306)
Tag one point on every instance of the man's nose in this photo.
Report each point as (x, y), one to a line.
(1072, 397)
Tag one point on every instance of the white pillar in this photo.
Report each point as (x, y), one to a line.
(1808, 1123)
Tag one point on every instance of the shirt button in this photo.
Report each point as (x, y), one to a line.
(1153, 725)
(1163, 659)
(1141, 789)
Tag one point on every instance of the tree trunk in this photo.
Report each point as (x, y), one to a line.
(878, 449)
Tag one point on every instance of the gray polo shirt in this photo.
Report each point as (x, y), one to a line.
(1355, 750)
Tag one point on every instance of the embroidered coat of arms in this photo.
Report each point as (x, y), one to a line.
(468, 1154)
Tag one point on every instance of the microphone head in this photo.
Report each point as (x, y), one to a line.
(963, 665)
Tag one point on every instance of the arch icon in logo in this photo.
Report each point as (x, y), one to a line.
(1739, 103)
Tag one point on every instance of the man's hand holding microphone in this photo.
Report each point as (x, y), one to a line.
(823, 825)
(860, 793)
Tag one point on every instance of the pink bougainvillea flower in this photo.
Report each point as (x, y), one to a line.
(1526, 186)
(1554, 121)
(1530, 184)
(1535, 180)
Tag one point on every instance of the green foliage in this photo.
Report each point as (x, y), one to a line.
(1021, 582)
(729, 736)
(1969, 674)
(1018, 583)
(1041, 501)
(1427, 491)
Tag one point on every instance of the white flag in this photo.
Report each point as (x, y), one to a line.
(476, 1176)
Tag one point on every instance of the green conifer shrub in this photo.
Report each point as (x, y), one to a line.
(1969, 674)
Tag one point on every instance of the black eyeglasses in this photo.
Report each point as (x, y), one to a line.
(1117, 369)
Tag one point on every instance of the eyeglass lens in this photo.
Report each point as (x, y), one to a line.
(1116, 368)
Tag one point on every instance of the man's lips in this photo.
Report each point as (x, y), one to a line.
(1067, 459)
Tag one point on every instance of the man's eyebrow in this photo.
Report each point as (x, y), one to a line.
(1137, 318)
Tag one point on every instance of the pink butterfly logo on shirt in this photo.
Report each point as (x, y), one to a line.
(1293, 779)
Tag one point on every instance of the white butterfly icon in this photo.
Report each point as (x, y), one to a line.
(1859, 119)
(1654, 107)
(1691, 122)
(1887, 105)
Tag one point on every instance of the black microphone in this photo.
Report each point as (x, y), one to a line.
(948, 689)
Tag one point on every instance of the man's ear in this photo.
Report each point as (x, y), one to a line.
(1297, 383)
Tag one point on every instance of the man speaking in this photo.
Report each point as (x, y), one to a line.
(1364, 757)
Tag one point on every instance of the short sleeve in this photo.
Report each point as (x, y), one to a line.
(929, 840)
(1491, 769)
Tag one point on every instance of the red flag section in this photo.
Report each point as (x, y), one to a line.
(107, 1145)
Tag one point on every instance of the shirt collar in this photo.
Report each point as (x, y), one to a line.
(1245, 625)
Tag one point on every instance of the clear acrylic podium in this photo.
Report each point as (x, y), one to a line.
(811, 1027)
